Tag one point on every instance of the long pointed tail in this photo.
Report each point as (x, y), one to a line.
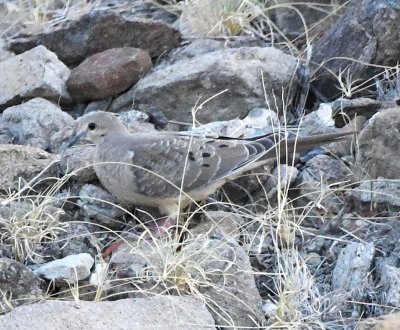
(309, 142)
(286, 147)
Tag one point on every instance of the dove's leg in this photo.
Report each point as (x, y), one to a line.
(160, 227)
(155, 229)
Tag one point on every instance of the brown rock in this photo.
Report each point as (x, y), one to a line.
(98, 31)
(108, 73)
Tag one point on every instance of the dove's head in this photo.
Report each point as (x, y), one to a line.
(97, 126)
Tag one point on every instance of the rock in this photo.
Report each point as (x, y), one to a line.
(214, 223)
(249, 186)
(39, 123)
(366, 32)
(258, 122)
(346, 109)
(182, 312)
(269, 308)
(157, 117)
(289, 21)
(19, 285)
(381, 193)
(319, 121)
(76, 239)
(231, 295)
(348, 147)
(176, 88)
(378, 145)
(316, 193)
(315, 245)
(200, 46)
(135, 121)
(97, 205)
(389, 283)
(78, 161)
(352, 267)
(22, 162)
(138, 259)
(318, 180)
(218, 264)
(100, 30)
(108, 73)
(28, 221)
(313, 260)
(35, 73)
(150, 10)
(331, 170)
(386, 322)
(100, 105)
(282, 177)
(72, 268)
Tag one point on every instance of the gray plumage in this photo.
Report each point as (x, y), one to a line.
(150, 168)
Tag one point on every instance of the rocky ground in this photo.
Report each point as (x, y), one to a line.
(308, 242)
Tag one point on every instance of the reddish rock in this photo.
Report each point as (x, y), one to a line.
(108, 73)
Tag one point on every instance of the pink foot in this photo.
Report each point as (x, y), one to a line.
(160, 228)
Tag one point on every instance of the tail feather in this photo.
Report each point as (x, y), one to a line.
(286, 147)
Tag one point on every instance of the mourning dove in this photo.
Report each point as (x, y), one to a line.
(169, 170)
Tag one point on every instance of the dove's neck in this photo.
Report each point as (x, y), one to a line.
(114, 137)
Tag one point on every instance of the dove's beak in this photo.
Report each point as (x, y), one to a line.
(76, 138)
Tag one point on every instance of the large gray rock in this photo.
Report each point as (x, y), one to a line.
(367, 32)
(231, 291)
(26, 163)
(177, 88)
(217, 266)
(38, 123)
(108, 73)
(378, 146)
(35, 73)
(19, 284)
(159, 312)
(97, 31)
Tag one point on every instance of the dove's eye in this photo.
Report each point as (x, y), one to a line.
(92, 126)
